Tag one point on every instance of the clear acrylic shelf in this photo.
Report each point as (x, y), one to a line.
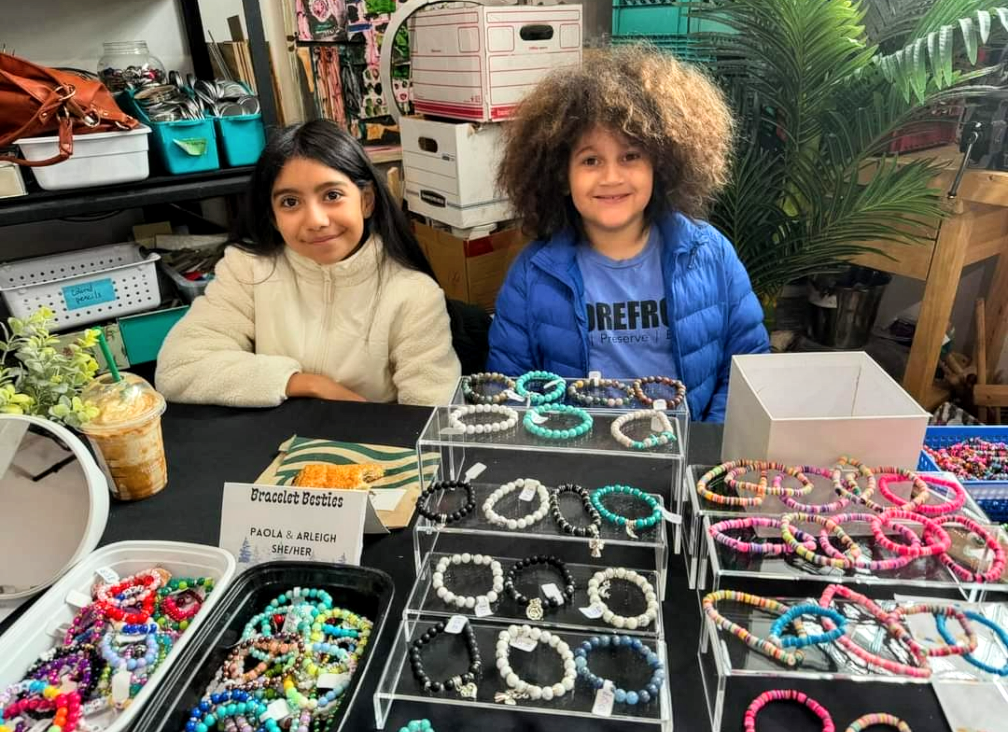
(542, 665)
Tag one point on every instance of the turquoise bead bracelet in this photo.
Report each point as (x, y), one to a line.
(418, 725)
(539, 430)
(552, 395)
(629, 524)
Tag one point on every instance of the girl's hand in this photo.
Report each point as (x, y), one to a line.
(320, 387)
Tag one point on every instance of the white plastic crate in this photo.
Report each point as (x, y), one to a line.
(83, 287)
(99, 159)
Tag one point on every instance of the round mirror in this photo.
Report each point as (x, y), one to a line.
(54, 503)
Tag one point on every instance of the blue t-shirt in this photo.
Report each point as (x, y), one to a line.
(628, 328)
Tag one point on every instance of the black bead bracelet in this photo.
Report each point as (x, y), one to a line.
(464, 684)
(594, 517)
(447, 485)
(535, 606)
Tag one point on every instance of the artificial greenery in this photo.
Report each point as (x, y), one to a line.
(814, 183)
(39, 377)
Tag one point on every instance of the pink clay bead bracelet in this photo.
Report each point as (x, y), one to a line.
(777, 488)
(796, 505)
(872, 565)
(996, 569)
(936, 539)
(718, 531)
(927, 509)
(959, 649)
(851, 551)
(775, 695)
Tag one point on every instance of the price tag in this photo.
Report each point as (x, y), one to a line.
(451, 431)
(108, 575)
(331, 681)
(604, 700)
(290, 622)
(551, 591)
(528, 492)
(123, 638)
(524, 643)
(656, 422)
(474, 472)
(538, 418)
(277, 710)
(121, 686)
(594, 375)
(592, 611)
(550, 384)
(514, 396)
(455, 624)
(672, 518)
(482, 608)
(77, 599)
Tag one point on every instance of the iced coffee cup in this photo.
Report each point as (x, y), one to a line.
(126, 434)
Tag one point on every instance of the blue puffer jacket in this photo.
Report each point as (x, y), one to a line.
(541, 323)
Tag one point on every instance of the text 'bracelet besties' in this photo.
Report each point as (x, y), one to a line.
(519, 688)
(554, 387)
(465, 683)
(468, 602)
(639, 385)
(510, 419)
(632, 526)
(471, 384)
(530, 488)
(613, 642)
(577, 391)
(600, 588)
(535, 607)
(595, 544)
(449, 486)
(656, 439)
(536, 418)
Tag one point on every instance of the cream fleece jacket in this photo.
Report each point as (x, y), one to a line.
(264, 319)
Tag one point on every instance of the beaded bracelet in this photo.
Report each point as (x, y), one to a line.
(87, 626)
(936, 539)
(417, 725)
(639, 384)
(464, 684)
(451, 486)
(517, 687)
(717, 531)
(555, 393)
(933, 509)
(536, 606)
(352, 626)
(850, 555)
(599, 590)
(79, 664)
(589, 400)
(468, 601)
(996, 569)
(852, 491)
(655, 439)
(583, 426)
(525, 521)
(891, 623)
(950, 649)
(775, 695)
(988, 623)
(596, 545)
(820, 508)
(33, 697)
(722, 500)
(208, 714)
(781, 655)
(320, 599)
(878, 719)
(919, 491)
(627, 523)
(778, 637)
(471, 395)
(862, 562)
(762, 488)
(483, 428)
(641, 696)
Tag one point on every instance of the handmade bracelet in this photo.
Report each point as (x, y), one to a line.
(891, 623)
(936, 539)
(927, 509)
(468, 601)
(583, 426)
(630, 525)
(717, 531)
(79, 664)
(639, 384)
(862, 562)
(878, 719)
(320, 599)
(599, 587)
(722, 500)
(483, 428)
(775, 695)
(574, 391)
(950, 649)
(641, 696)
(474, 380)
(996, 569)
(274, 619)
(451, 486)
(779, 638)
(536, 606)
(109, 649)
(851, 551)
(192, 589)
(208, 714)
(517, 687)
(781, 655)
(87, 626)
(919, 491)
(131, 600)
(417, 725)
(351, 625)
(38, 696)
(655, 439)
(555, 393)
(465, 683)
(594, 518)
(525, 521)
(820, 508)
(986, 622)
(852, 491)
(764, 488)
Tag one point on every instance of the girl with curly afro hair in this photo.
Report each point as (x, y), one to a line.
(611, 166)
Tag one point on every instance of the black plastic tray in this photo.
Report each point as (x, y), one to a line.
(365, 591)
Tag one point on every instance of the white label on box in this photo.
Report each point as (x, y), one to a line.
(108, 575)
(451, 431)
(551, 591)
(672, 518)
(524, 643)
(474, 472)
(277, 709)
(455, 624)
(331, 681)
(604, 700)
(593, 611)
(77, 599)
(528, 492)
(482, 608)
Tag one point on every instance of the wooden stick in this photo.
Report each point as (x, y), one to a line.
(980, 357)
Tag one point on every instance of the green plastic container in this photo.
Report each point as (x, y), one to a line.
(242, 139)
(143, 334)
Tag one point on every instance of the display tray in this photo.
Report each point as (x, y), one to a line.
(466, 579)
(541, 665)
(367, 592)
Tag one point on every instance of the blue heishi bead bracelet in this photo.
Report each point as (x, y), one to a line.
(554, 394)
(985, 621)
(629, 524)
(539, 430)
(641, 696)
(777, 636)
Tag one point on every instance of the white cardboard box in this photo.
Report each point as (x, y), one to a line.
(449, 170)
(476, 63)
(812, 408)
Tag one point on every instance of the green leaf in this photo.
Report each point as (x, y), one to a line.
(918, 79)
(983, 25)
(1002, 14)
(946, 37)
(932, 46)
(968, 31)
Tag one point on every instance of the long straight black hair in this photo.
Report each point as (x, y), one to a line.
(324, 142)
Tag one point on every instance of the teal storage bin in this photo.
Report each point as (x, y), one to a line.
(143, 334)
(242, 139)
(182, 146)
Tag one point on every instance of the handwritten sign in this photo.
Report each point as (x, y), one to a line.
(86, 294)
(262, 523)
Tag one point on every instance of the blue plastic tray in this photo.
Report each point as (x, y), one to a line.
(990, 495)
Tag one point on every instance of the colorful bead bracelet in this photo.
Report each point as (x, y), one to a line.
(722, 500)
(973, 459)
(846, 485)
(925, 509)
(820, 508)
(583, 426)
(936, 539)
(777, 695)
(557, 387)
(630, 525)
(763, 488)
(656, 439)
(862, 562)
(950, 649)
(471, 395)
(779, 638)
(878, 719)
(997, 565)
(986, 622)
(576, 392)
(851, 552)
(417, 725)
(639, 385)
(718, 532)
(631, 698)
(766, 604)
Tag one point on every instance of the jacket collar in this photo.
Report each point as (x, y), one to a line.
(357, 268)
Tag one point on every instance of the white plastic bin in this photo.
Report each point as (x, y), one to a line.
(98, 159)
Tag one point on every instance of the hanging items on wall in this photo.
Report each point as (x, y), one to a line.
(321, 20)
(329, 99)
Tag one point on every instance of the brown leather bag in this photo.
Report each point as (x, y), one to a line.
(35, 100)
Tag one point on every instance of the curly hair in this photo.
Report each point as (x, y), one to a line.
(670, 108)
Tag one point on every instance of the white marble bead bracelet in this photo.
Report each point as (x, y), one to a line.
(598, 588)
(519, 689)
(525, 521)
(509, 421)
(662, 437)
(468, 601)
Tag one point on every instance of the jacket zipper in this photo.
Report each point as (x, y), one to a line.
(324, 334)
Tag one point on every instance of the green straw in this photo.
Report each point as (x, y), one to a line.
(109, 359)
